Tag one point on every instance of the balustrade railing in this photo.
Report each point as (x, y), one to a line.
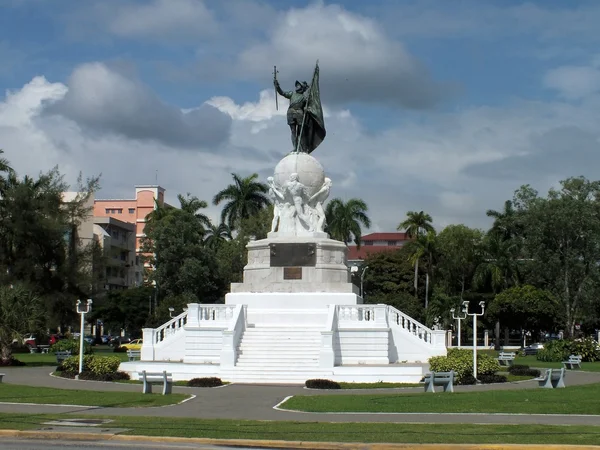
(409, 324)
(171, 327)
(348, 314)
(217, 313)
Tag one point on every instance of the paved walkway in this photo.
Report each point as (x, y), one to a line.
(256, 402)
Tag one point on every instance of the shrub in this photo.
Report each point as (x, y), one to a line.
(519, 369)
(461, 361)
(560, 350)
(492, 378)
(98, 365)
(120, 349)
(113, 376)
(19, 348)
(322, 384)
(71, 345)
(205, 382)
(587, 348)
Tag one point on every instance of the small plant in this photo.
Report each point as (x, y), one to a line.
(461, 361)
(11, 362)
(205, 382)
(489, 378)
(322, 384)
(113, 376)
(521, 369)
(587, 348)
(561, 349)
(120, 349)
(97, 365)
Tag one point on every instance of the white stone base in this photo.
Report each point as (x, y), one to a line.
(394, 373)
(294, 300)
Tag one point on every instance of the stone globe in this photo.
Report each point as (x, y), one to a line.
(310, 171)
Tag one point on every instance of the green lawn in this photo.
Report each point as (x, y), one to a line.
(532, 361)
(379, 385)
(572, 400)
(12, 393)
(331, 432)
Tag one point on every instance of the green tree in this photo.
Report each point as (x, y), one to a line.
(418, 224)
(562, 238)
(459, 248)
(124, 310)
(245, 198)
(182, 264)
(21, 312)
(4, 168)
(506, 223)
(345, 220)
(216, 235)
(192, 205)
(526, 308)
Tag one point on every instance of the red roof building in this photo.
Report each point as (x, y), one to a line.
(375, 243)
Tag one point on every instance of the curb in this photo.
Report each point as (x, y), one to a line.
(280, 444)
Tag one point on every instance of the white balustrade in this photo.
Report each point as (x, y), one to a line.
(409, 324)
(171, 327)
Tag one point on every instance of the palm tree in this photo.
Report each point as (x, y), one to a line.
(424, 247)
(344, 220)
(416, 224)
(217, 234)
(504, 221)
(245, 197)
(4, 167)
(192, 204)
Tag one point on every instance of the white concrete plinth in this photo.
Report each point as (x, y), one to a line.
(293, 300)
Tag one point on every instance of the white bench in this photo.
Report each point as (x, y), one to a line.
(444, 379)
(62, 355)
(1, 376)
(552, 379)
(156, 377)
(134, 355)
(43, 348)
(574, 360)
(506, 358)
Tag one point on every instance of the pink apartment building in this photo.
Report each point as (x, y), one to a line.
(132, 211)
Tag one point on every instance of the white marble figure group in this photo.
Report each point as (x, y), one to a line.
(295, 212)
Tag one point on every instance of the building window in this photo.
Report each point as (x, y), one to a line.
(120, 211)
(393, 243)
(131, 210)
(115, 234)
(367, 242)
(108, 211)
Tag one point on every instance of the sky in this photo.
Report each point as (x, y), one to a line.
(445, 107)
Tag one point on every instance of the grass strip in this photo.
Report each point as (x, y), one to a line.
(378, 385)
(572, 400)
(13, 393)
(330, 432)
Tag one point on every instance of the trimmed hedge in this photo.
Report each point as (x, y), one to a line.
(98, 365)
(322, 384)
(120, 349)
(11, 362)
(115, 376)
(205, 382)
(521, 369)
(489, 378)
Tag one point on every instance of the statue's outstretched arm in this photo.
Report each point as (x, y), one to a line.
(281, 92)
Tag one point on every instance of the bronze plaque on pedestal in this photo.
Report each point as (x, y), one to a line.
(293, 255)
(292, 273)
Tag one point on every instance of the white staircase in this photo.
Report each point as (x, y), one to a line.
(286, 354)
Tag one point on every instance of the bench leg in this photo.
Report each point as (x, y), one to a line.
(167, 388)
(429, 386)
(147, 388)
(547, 384)
(449, 387)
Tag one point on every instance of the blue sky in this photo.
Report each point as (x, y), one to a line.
(431, 105)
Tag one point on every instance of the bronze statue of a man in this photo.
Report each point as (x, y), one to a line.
(295, 112)
(305, 113)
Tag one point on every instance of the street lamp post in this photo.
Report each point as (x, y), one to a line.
(459, 318)
(82, 309)
(475, 315)
(362, 279)
(171, 311)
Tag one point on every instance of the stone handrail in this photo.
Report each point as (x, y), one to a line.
(409, 324)
(361, 316)
(232, 336)
(171, 327)
(203, 315)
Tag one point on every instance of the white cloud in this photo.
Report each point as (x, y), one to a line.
(106, 101)
(160, 18)
(573, 82)
(452, 165)
(359, 62)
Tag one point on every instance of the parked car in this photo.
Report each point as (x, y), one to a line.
(533, 348)
(119, 341)
(54, 338)
(136, 344)
(29, 340)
